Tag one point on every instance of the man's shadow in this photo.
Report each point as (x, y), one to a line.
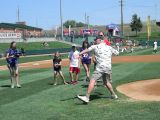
(5, 86)
(93, 97)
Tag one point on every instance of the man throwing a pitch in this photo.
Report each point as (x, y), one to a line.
(103, 54)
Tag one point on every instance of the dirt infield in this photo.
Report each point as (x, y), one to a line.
(147, 90)
(65, 62)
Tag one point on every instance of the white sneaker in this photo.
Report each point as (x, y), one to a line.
(83, 98)
(18, 86)
(12, 86)
(114, 97)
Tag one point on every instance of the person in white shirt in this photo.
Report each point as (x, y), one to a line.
(117, 46)
(74, 64)
(103, 69)
(155, 46)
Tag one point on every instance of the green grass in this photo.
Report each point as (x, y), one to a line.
(139, 51)
(35, 46)
(144, 36)
(38, 100)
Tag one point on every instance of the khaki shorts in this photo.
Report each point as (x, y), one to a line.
(98, 75)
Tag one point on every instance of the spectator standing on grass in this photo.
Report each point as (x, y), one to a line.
(86, 60)
(23, 51)
(12, 63)
(103, 56)
(57, 68)
(74, 64)
(117, 46)
(155, 46)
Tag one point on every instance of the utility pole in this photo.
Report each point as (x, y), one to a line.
(36, 22)
(61, 19)
(155, 17)
(18, 14)
(88, 22)
(121, 2)
(85, 18)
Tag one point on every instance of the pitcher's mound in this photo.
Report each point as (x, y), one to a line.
(147, 90)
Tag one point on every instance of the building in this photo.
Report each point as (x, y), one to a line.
(19, 30)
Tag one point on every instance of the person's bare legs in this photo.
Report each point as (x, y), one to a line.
(106, 78)
(12, 76)
(77, 76)
(71, 76)
(62, 76)
(55, 78)
(87, 70)
(109, 87)
(17, 77)
(90, 88)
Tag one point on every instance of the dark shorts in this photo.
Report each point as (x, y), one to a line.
(57, 69)
(86, 61)
(13, 67)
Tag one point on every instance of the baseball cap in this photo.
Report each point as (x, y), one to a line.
(74, 45)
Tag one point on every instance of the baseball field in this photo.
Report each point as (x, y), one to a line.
(135, 79)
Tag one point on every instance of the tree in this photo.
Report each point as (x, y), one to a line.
(136, 24)
(80, 24)
(71, 23)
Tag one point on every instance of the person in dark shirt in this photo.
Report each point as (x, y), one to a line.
(12, 63)
(86, 59)
(57, 68)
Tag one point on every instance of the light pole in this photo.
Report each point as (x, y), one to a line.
(121, 17)
(88, 22)
(61, 19)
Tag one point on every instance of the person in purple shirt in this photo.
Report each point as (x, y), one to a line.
(12, 63)
(86, 60)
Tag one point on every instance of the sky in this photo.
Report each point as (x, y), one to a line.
(45, 13)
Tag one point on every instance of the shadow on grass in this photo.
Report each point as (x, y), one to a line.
(86, 85)
(72, 98)
(92, 98)
(5, 86)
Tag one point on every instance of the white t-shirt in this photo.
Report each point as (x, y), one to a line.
(103, 54)
(155, 45)
(74, 59)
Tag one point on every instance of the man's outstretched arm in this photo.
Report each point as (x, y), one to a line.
(88, 50)
(84, 51)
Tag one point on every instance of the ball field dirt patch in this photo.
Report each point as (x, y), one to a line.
(146, 90)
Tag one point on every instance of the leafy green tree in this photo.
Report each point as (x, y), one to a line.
(136, 24)
(71, 23)
(80, 24)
